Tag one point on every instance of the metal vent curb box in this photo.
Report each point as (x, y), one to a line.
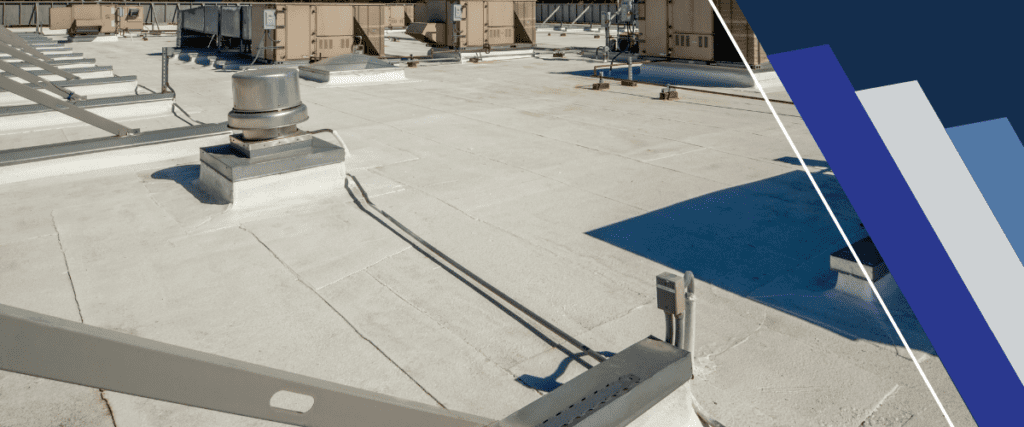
(613, 393)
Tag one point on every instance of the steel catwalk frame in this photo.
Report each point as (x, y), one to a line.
(628, 383)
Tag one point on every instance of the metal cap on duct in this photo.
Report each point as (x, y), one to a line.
(266, 103)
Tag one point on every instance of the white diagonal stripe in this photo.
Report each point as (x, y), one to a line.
(832, 214)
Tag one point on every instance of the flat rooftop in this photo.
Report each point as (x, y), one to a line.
(570, 200)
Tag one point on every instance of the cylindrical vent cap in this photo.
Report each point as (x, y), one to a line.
(266, 90)
(266, 99)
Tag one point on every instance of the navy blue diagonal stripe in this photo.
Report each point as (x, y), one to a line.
(920, 266)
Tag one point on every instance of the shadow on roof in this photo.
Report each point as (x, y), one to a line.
(768, 241)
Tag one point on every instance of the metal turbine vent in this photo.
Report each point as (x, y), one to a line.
(267, 104)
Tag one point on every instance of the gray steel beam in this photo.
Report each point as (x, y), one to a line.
(613, 393)
(54, 348)
(17, 156)
(39, 81)
(30, 59)
(65, 107)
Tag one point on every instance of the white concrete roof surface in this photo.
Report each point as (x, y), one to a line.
(506, 167)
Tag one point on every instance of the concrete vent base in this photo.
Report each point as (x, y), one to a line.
(859, 288)
(93, 39)
(307, 183)
(243, 182)
(355, 77)
(161, 27)
(494, 55)
(684, 73)
(769, 80)
(351, 70)
(49, 32)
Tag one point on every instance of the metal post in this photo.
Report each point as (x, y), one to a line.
(691, 302)
(165, 70)
(606, 21)
(629, 68)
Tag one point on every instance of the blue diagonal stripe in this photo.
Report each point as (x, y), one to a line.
(994, 155)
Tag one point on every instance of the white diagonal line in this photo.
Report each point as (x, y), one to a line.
(831, 214)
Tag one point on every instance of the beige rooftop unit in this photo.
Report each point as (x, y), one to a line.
(283, 32)
(84, 19)
(689, 29)
(130, 18)
(480, 24)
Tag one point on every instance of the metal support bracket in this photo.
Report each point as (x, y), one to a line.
(65, 107)
(611, 394)
(165, 84)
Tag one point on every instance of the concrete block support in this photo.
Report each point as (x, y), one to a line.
(314, 170)
(852, 281)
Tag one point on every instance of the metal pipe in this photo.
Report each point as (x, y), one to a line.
(691, 302)
(678, 339)
(629, 67)
(669, 331)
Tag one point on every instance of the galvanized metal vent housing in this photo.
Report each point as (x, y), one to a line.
(267, 103)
